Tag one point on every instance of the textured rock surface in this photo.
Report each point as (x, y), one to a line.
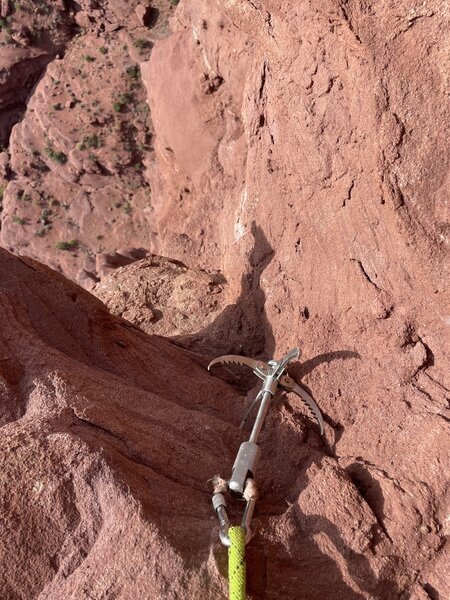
(326, 134)
(31, 35)
(195, 308)
(108, 438)
(163, 296)
(74, 186)
(300, 151)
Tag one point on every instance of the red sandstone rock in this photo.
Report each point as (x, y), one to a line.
(301, 150)
(318, 173)
(109, 436)
(86, 442)
(78, 174)
(5, 8)
(163, 297)
(77, 157)
(46, 29)
(88, 507)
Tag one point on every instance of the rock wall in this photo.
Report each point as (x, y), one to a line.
(300, 154)
(109, 436)
(108, 439)
(302, 149)
(31, 35)
(72, 188)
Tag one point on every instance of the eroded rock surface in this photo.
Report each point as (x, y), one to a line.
(74, 186)
(163, 296)
(325, 130)
(31, 35)
(109, 437)
(195, 308)
(99, 491)
(300, 151)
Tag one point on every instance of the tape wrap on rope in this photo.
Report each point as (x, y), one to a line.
(236, 563)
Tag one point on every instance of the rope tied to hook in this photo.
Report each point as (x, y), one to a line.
(241, 483)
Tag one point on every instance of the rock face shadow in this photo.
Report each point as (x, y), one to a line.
(243, 327)
(321, 575)
(301, 369)
(370, 489)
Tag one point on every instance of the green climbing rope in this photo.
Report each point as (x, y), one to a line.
(236, 563)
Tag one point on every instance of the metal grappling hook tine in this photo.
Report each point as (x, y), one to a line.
(241, 483)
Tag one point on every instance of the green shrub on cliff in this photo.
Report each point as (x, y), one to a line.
(69, 245)
(55, 155)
